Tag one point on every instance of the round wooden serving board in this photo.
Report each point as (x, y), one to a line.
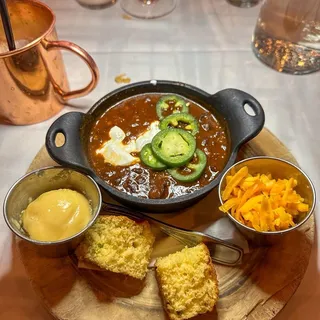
(258, 289)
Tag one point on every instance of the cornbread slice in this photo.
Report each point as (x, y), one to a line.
(188, 282)
(118, 244)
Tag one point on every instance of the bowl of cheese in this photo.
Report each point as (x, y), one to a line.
(52, 208)
(267, 198)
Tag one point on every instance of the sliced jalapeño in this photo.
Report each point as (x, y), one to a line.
(149, 159)
(174, 147)
(181, 120)
(170, 104)
(191, 171)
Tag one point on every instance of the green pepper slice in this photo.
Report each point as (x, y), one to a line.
(174, 147)
(171, 103)
(193, 170)
(149, 159)
(181, 120)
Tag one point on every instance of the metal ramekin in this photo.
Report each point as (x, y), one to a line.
(32, 185)
(279, 169)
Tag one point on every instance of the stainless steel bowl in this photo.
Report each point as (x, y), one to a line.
(32, 185)
(279, 169)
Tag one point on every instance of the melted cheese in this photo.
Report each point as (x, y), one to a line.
(118, 153)
(56, 215)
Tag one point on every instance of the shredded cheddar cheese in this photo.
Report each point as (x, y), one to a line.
(261, 202)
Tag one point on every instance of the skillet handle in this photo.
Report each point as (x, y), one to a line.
(243, 126)
(71, 152)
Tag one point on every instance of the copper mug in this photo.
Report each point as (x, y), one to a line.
(33, 80)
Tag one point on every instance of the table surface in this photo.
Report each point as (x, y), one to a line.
(202, 42)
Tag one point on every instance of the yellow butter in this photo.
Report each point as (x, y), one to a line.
(56, 215)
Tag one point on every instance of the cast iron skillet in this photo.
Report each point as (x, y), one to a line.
(227, 105)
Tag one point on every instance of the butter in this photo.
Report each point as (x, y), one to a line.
(56, 215)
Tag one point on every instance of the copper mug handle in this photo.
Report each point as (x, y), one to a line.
(49, 45)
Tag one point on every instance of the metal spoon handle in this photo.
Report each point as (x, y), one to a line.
(165, 227)
(221, 251)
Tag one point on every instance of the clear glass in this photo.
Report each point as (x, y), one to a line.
(96, 4)
(287, 35)
(244, 3)
(148, 9)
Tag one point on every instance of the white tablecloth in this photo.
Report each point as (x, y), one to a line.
(203, 42)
